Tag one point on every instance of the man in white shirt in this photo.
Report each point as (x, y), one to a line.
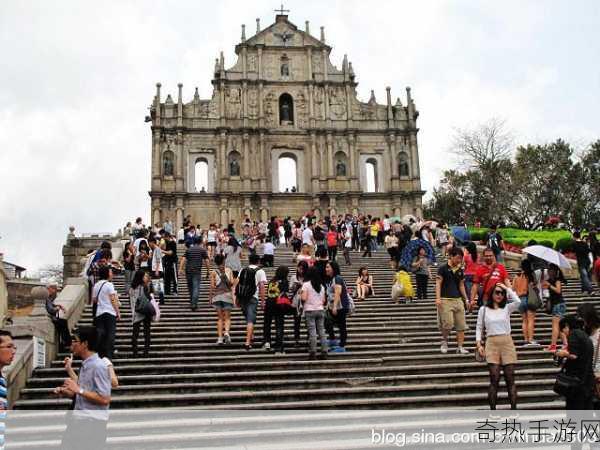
(268, 254)
(307, 235)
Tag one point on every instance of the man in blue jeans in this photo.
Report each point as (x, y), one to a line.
(191, 263)
(582, 252)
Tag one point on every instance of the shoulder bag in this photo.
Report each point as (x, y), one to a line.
(478, 356)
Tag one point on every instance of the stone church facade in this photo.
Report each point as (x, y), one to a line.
(218, 159)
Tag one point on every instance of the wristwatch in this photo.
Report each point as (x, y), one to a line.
(81, 391)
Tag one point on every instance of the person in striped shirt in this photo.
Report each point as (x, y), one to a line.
(7, 354)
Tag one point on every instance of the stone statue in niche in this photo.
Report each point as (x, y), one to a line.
(403, 165)
(234, 168)
(285, 70)
(340, 169)
(168, 164)
(285, 112)
(233, 103)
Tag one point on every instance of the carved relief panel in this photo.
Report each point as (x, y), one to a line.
(337, 103)
(233, 103)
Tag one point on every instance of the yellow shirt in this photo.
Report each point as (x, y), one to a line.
(374, 230)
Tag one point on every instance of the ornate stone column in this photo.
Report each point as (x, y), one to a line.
(314, 158)
(246, 165)
(222, 164)
(260, 159)
(156, 169)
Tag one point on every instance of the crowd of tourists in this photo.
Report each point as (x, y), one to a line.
(313, 293)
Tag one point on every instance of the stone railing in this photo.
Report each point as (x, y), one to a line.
(77, 248)
(73, 298)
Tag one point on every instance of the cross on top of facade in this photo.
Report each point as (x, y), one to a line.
(281, 10)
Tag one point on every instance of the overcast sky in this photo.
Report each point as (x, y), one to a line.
(77, 78)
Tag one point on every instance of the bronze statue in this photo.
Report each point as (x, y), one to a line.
(234, 168)
(340, 169)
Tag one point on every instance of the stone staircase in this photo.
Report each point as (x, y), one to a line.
(392, 363)
(392, 360)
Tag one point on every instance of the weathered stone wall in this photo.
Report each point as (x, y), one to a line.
(19, 293)
(78, 247)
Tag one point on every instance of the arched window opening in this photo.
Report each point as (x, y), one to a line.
(403, 169)
(168, 163)
(287, 174)
(286, 109)
(234, 164)
(201, 175)
(371, 175)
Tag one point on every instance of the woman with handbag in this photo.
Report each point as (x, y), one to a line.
(527, 285)
(591, 323)
(576, 379)
(220, 296)
(555, 303)
(298, 279)
(500, 354)
(142, 310)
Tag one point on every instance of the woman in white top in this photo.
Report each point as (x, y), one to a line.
(313, 299)
(500, 352)
(107, 313)
(211, 240)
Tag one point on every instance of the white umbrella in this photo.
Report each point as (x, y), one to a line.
(549, 255)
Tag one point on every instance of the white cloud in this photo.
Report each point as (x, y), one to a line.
(77, 78)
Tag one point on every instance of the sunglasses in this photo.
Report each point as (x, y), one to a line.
(497, 291)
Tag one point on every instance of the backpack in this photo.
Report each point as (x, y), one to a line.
(246, 288)
(273, 291)
(493, 242)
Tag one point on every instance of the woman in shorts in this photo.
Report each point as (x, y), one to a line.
(211, 240)
(220, 295)
(500, 353)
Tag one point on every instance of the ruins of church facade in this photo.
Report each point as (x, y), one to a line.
(220, 159)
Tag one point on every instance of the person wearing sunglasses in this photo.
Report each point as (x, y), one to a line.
(500, 353)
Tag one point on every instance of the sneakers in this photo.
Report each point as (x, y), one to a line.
(462, 351)
(444, 348)
(226, 339)
(531, 344)
(551, 348)
(266, 346)
(248, 347)
(220, 341)
(338, 350)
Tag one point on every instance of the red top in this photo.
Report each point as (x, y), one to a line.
(490, 275)
(470, 266)
(331, 238)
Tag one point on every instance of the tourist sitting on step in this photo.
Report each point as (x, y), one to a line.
(364, 284)
(220, 296)
(139, 296)
(337, 306)
(493, 324)
(402, 287)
